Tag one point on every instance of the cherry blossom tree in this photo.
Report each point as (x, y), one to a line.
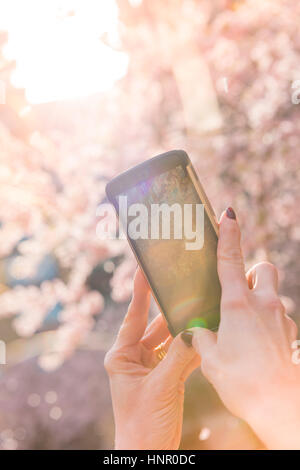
(212, 77)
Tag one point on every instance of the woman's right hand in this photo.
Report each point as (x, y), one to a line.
(249, 361)
(148, 391)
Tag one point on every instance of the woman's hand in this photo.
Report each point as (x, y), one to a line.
(147, 393)
(249, 361)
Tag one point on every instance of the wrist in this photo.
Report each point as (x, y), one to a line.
(129, 439)
(125, 443)
(135, 440)
(275, 417)
(125, 440)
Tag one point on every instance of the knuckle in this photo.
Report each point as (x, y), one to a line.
(230, 254)
(109, 362)
(269, 270)
(269, 266)
(275, 305)
(235, 303)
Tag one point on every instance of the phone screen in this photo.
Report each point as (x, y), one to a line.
(185, 281)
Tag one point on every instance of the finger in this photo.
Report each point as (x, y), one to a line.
(263, 277)
(156, 332)
(171, 369)
(135, 321)
(231, 268)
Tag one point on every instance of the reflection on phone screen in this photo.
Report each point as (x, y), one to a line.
(185, 282)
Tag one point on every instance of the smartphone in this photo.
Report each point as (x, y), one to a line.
(179, 259)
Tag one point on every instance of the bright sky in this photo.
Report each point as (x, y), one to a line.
(61, 57)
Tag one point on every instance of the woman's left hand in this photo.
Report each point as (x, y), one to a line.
(147, 393)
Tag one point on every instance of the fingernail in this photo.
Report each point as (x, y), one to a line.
(187, 337)
(230, 213)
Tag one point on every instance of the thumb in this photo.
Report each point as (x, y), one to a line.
(178, 358)
(204, 342)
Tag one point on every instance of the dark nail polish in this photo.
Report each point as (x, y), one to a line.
(230, 213)
(187, 337)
